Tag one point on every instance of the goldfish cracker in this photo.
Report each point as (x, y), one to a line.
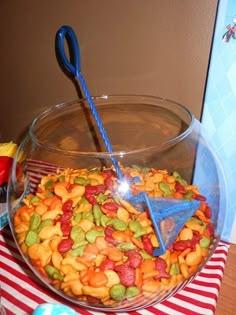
(86, 225)
(185, 252)
(60, 189)
(101, 243)
(147, 265)
(41, 253)
(50, 231)
(179, 278)
(52, 214)
(85, 275)
(99, 293)
(25, 217)
(67, 270)
(128, 206)
(195, 226)
(115, 254)
(151, 274)
(174, 257)
(123, 214)
(52, 202)
(22, 227)
(193, 269)
(204, 252)
(24, 248)
(186, 234)
(55, 242)
(171, 179)
(21, 237)
(45, 179)
(98, 178)
(99, 259)
(154, 240)
(137, 242)
(202, 216)
(173, 280)
(138, 278)
(108, 302)
(166, 255)
(141, 216)
(21, 211)
(183, 267)
(83, 207)
(195, 257)
(167, 258)
(75, 286)
(193, 188)
(71, 260)
(146, 223)
(71, 276)
(165, 282)
(57, 259)
(112, 277)
(41, 208)
(121, 236)
(98, 279)
(151, 286)
(75, 194)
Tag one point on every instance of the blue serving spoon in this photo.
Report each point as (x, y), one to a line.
(162, 210)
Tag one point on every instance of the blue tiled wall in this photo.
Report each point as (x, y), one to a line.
(219, 110)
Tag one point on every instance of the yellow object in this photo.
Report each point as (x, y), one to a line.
(8, 149)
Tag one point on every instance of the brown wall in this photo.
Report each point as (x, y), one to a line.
(158, 47)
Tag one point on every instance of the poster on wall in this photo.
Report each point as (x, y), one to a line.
(219, 106)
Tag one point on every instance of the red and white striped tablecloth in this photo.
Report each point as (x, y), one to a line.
(22, 292)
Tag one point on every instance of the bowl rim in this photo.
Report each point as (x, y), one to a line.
(106, 154)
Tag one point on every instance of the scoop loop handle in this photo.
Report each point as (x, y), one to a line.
(66, 32)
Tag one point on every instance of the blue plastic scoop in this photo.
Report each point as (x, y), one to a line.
(162, 211)
(168, 216)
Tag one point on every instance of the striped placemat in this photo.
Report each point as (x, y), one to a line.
(22, 292)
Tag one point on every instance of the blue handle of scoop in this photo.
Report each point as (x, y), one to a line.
(67, 33)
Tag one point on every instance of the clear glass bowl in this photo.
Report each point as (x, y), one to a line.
(83, 248)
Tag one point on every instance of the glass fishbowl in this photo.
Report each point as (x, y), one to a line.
(73, 207)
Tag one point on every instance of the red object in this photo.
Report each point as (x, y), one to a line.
(5, 168)
(66, 228)
(95, 189)
(161, 265)
(67, 206)
(67, 215)
(107, 264)
(65, 245)
(208, 212)
(90, 198)
(135, 259)
(147, 244)
(126, 274)
(111, 206)
(183, 244)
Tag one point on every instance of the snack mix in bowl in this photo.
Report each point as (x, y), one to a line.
(74, 226)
